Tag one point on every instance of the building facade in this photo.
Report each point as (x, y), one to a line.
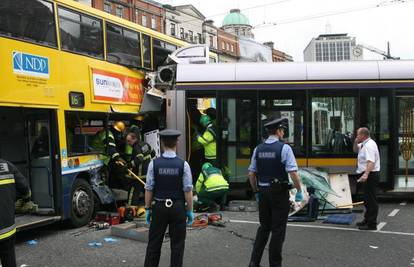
(184, 22)
(228, 46)
(147, 13)
(210, 35)
(277, 55)
(333, 47)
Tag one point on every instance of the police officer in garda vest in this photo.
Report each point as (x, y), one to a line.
(169, 186)
(271, 164)
(11, 180)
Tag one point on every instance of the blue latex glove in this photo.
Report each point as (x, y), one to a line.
(190, 217)
(257, 196)
(148, 213)
(299, 196)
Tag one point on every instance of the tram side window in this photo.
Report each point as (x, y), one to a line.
(31, 20)
(80, 33)
(81, 129)
(161, 51)
(290, 108)
(146, 43)
(123, 46)
(333, 122)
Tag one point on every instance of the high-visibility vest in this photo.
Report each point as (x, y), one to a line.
(211, 180)
(208, 140)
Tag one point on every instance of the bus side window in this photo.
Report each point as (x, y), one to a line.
(146, 43)
(80, 33)
(31, 20)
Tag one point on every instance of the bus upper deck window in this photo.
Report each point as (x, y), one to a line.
(146, 44)
(123, 46)
(31, 20)
(80, 33)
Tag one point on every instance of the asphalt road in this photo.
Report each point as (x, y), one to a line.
(307, 244)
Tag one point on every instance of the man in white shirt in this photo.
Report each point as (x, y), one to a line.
(368, 173)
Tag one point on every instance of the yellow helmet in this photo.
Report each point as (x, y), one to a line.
(141, 212)
(139, 118)
(119, 126)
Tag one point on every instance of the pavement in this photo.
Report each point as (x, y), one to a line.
(306, 244)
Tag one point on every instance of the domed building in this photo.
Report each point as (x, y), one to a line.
(237, 24)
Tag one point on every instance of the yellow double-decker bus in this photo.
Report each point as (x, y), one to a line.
(68, 71)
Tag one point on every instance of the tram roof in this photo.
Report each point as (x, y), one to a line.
(296, 71)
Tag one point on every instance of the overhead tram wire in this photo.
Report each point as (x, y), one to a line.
(332, 13)
(242, 9)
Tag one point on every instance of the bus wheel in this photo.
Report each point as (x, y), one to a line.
(82, 203)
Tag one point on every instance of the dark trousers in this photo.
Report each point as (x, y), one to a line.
(173, 217)
(273, 213)
(7, 253)
(134, 189)
(370, 198)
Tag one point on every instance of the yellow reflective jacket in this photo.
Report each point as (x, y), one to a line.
(208, 141)
(214, 181)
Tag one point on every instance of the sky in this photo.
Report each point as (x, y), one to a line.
(291, 24)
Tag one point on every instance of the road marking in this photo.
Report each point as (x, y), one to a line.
(330, 227)
(381, 225)
(393, 213)
(403, 203)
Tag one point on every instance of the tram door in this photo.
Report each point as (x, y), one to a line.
(237, 135)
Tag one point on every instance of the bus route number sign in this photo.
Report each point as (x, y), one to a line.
(76, 100)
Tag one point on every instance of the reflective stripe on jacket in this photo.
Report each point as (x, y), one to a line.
(208, 140)
(214, 181)
(11, 180)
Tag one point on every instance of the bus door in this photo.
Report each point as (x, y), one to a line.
(237, 134)
(40, 144)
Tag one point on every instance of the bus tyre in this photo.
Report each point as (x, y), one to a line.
(82, 203)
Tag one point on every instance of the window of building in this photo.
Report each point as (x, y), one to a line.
(332, 52)
(18, 20)
(172, 29)
(333, 121)
(144, 20)
(211, 40)
(136, 15)
(80, 33)
(318, 52)
(347, 51)
(107, 7)
(236, 31)
(182, 33)
(200, 40)
(244, 32)
(223, 45)
(232, 48)
(123, 46)
(190, 35)
(119, 11)
(325, 52)
(153, 23)
(161, 51)
(339, 51)
(227, 46)
(146, 46)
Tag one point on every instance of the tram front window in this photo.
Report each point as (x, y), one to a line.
(333, 122)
